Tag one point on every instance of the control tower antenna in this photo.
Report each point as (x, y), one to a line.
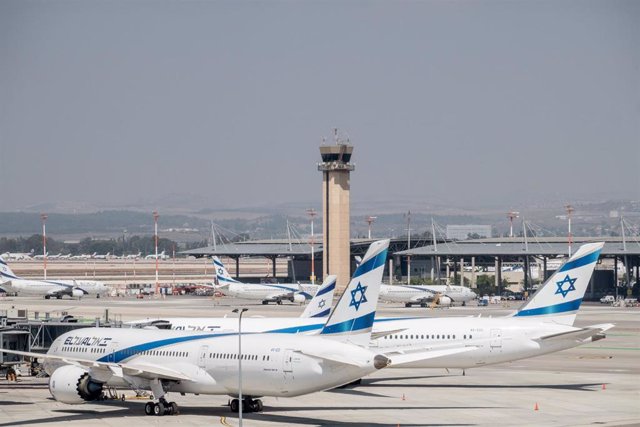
(336, 170)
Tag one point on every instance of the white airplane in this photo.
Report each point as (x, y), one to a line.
(265, 292)
(102, 256)
(84, 256)
(542, 325)
(17, 256)
(82, 362)
(133, 256)
(318, 307)
(161, 256)
(48, 288)
(424, 295)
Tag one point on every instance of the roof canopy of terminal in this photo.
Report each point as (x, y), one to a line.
(517, 247)
(263, 248)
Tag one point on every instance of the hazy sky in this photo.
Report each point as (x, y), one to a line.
(467, 101)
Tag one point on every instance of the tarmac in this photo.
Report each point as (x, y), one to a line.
(594, 384)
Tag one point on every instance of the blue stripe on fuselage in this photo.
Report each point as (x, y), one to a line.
(125, 353)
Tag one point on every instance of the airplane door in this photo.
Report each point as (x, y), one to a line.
(202, 356)
(496, 339)
(111, 351)
(287, 365)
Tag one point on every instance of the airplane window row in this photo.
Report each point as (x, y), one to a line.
(83, 349)
(235, 356)
(158, 353)
(423, 336)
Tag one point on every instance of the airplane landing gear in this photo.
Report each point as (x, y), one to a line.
(248, 405)
(161, 408)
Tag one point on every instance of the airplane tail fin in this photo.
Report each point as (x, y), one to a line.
(320, 305)
(559, 298)
(352, 317)
(5, 272)
(223, 276)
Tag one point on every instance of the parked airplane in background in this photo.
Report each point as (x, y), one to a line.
(265, 292)
(17, 256)
(102, 256)
(442, 295)
(84, 256)
(48, 288)
(319, 307)
(161, 256)
(81, 363)
(133, 256)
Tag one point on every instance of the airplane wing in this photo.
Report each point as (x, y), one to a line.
(401, 357)
(595, 332)
(143, 370)
(333, 357)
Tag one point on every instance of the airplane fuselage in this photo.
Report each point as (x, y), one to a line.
(495, 340)
(272, 365)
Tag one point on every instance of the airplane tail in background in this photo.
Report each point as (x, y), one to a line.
(6, 273)
(320, 305)
(559, 298)
(352, 318)
(223, 276)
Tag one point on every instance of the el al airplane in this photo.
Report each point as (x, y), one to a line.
(422, 295)
(419, 294)
(161, 256)
(265, 292)
(48, 288)
(81, 363)
(543, 324)
(319, 306)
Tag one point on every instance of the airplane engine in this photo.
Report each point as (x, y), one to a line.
(73, 385)
(298, 298)
(444, 301)
(77, 293)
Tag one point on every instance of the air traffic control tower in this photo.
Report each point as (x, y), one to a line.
(336, 169)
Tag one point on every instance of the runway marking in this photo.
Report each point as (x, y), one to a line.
(615, 348)
(223, 421)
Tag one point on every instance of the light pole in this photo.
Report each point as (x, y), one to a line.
(370, 220)
(43, 217)
(569, 210)
(155, 221)
(409, 247)
(312, 213)
(240, 311)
